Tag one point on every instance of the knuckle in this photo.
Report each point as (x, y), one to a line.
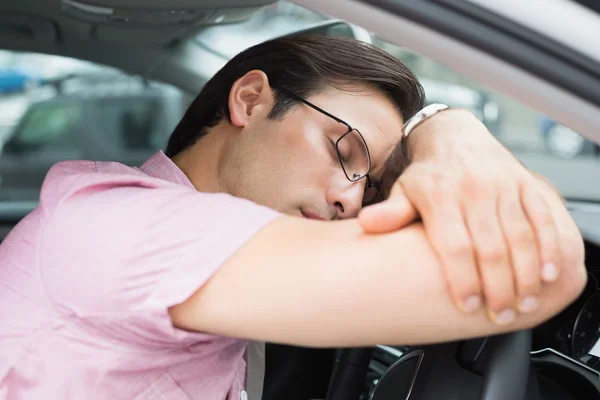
(566, 242)
(528, 288)
(493, 255)
(459, 248)
(529, 283)
(440, 190)
(484, 226)
(406, 179)
(544, 218)
(500, 300)
(551, 246)
(483, 185)
(468, 287)
(411, 180)
(475, 187)
(567, 250)
(521, 236)
(573, 253)
(464, 279)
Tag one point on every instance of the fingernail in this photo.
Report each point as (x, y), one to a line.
(528, 304)
(472, 303)
(549, 272)
(505, 317)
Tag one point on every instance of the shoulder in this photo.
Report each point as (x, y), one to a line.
(132, 241)
(80, 178)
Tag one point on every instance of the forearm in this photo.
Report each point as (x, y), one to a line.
(327, 284)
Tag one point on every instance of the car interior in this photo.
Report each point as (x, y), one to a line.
(181, 43)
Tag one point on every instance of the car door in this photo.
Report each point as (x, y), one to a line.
(47, 133)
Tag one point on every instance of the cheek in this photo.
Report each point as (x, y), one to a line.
(309, 146)
(306, 158)
(313, 155)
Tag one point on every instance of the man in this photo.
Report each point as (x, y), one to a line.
(147, 283)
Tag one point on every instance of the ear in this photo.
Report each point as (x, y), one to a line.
(250, 96)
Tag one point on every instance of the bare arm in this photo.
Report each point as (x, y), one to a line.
(320, 283)
(471, 192)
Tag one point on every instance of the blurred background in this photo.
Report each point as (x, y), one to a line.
(55, 108)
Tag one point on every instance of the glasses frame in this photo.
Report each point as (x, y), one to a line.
(350, 129)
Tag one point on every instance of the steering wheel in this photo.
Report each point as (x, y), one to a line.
(491, 368)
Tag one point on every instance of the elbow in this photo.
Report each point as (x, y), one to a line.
(576, 283)
(575, 257)
(573, 278)
(574, 287)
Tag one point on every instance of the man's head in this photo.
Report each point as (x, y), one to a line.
(254, 130)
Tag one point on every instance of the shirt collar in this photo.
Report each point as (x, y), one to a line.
(162, 167)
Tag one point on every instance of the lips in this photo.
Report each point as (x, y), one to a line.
(309, 215)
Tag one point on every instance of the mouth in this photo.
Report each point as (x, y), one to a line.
(309, 215)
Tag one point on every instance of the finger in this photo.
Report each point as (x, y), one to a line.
(445, 227)
(492, 257)
(523, 250)
(538, 211)
(389, 215)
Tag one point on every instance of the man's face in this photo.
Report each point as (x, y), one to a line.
(291, 164)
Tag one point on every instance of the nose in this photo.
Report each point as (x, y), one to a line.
(347, 198)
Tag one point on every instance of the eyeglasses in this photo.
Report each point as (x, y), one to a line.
(352, 152)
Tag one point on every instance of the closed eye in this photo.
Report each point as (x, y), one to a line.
(333, 148)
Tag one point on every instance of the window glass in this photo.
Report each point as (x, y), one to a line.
(128, 125)
(51, 124)
(564, 156)
(55, 108)
(131, 118)
(542, 144)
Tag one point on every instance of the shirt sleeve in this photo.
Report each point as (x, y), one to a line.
(116, 257)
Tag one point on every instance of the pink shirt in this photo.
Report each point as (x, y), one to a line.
(87, 277)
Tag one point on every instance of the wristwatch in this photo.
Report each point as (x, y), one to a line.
(421, 116)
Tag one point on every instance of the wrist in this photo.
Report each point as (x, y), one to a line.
(432, 135)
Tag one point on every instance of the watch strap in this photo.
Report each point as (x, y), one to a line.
(421, 116)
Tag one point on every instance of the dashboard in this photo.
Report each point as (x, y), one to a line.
(575, 332)
(565, 352)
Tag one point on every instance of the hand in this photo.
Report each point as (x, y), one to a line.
(484, 213)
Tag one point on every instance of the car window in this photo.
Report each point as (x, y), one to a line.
(567, 158)
(542, 144)
(128, 125)
(47, 126)
(53, 108)
(138, 126)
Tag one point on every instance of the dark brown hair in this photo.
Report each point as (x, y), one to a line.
(303, 65)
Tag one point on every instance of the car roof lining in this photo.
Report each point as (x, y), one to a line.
(157, 32)
(177, 4)
(162, 53)
(171, 64)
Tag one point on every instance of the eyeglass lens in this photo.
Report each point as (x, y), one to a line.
(354, 155)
